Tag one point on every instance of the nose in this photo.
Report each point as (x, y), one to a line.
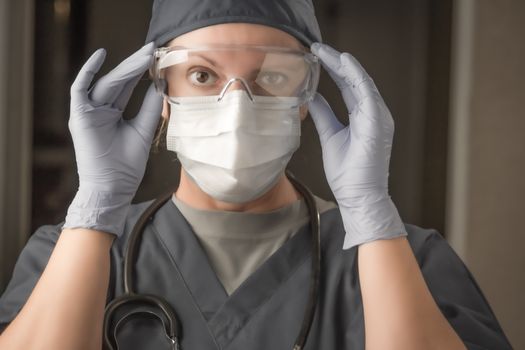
(236, 84)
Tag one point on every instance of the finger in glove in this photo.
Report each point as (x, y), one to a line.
(109, 88)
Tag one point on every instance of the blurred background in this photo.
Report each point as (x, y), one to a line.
(451, 71)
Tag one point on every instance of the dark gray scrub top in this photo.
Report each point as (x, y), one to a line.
(266, 310)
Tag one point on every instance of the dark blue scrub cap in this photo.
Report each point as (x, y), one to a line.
(171, 18)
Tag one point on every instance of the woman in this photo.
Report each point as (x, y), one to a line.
(230, 252)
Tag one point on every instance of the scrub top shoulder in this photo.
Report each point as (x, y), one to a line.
(266, 309)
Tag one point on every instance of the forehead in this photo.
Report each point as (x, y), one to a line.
(237, 34)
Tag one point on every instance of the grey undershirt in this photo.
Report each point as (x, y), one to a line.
(237, 243)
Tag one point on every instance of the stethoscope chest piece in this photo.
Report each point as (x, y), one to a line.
(142, 305)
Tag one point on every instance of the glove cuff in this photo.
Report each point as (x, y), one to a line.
(98, 210)
(370, 222)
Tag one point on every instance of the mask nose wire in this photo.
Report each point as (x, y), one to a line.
(230, 82)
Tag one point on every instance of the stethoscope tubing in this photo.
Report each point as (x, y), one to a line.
(170, 321)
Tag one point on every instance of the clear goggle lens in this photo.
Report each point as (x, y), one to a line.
(215, 70)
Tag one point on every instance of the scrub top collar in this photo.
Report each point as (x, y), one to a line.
(226, 315)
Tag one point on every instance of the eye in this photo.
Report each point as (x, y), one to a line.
(272, 79)
(202, 77)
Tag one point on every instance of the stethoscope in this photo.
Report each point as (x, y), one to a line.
(169, 319)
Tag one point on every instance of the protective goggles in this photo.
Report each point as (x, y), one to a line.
(214, 70)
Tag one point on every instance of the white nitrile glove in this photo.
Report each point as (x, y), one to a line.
(356, 157)
(111, 152)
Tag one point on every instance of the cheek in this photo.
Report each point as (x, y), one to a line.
(165, 110)
(303, 112)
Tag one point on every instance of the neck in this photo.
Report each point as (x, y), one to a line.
(282, 194)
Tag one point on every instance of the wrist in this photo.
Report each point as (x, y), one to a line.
(371, 220)
(98, 210)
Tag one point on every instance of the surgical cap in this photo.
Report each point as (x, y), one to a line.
(171, 18)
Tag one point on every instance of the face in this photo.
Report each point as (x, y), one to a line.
(208, 73)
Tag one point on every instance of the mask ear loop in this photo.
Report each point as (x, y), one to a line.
(230, 82)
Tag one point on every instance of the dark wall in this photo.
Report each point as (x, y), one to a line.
(404, 45)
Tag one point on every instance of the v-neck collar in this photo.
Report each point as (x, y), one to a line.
(226, 315)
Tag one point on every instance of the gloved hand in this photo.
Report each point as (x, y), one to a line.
(111, 152)
(356, 157)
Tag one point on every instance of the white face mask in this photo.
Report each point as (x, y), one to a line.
(235, 150)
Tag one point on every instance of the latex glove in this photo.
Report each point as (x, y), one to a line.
(111, 152)
(356, 157)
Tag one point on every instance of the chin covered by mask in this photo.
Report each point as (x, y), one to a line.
(234, 149)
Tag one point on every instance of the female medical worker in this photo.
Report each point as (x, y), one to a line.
(230, 252)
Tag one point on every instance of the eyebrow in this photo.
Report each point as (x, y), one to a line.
(209, 60)
(293, 68)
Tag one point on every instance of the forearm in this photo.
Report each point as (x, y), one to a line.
(399, 311)
(66, 308)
